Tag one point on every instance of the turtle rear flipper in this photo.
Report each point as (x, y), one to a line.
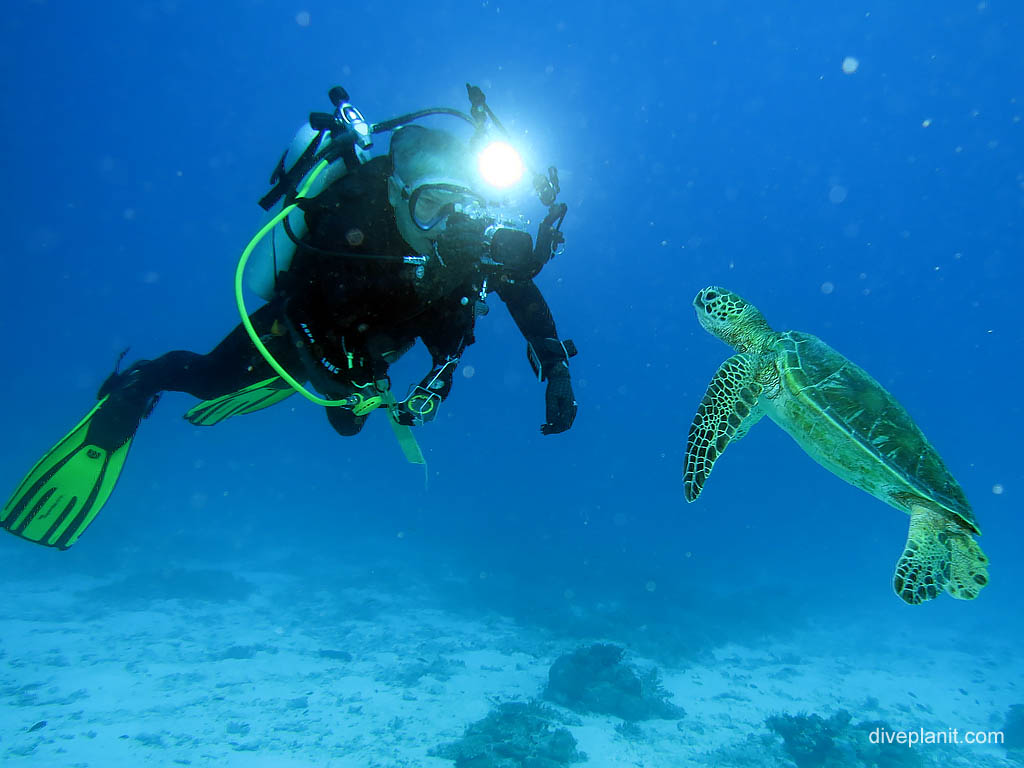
(924, 567)
(970, 567)
(938, 557)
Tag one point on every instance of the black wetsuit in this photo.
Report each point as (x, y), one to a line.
(346, 308)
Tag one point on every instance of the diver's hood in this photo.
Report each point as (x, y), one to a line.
(418, 152)
(437, 176)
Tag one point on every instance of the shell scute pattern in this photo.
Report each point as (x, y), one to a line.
(824, 380)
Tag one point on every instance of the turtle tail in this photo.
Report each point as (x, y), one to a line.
(938, 556)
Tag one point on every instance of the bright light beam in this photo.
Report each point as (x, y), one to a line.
(500, 165)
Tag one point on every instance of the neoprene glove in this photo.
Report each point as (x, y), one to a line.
(560, 402)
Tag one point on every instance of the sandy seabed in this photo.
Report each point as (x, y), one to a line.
(287, 677)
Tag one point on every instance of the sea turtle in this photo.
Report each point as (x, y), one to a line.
(848, 423)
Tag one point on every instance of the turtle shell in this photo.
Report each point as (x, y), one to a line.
(825, 381)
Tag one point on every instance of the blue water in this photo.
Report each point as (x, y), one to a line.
(715, 143)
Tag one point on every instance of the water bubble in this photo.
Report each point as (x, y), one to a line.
(468, 371)
(837, 194)
(997, 489)
(650, 586)
(827, 287)
(850, 65)
(302, 18)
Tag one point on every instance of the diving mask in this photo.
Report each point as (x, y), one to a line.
(433, 201)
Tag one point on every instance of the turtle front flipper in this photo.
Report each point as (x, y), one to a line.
(938, 556)
(729, 405)
(756, 414)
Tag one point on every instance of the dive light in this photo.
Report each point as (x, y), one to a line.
(500, 165)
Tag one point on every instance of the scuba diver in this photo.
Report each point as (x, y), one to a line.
(362, 256)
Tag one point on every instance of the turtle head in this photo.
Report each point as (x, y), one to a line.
(728, 316)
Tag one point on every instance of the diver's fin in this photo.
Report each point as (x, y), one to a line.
(66, 488)
(728, 410)
(255, 397)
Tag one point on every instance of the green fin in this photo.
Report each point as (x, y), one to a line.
(65, 489)
(729, 405)
(939, 555)
(255, 397)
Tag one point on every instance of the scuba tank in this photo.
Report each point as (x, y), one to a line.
(344, 136)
